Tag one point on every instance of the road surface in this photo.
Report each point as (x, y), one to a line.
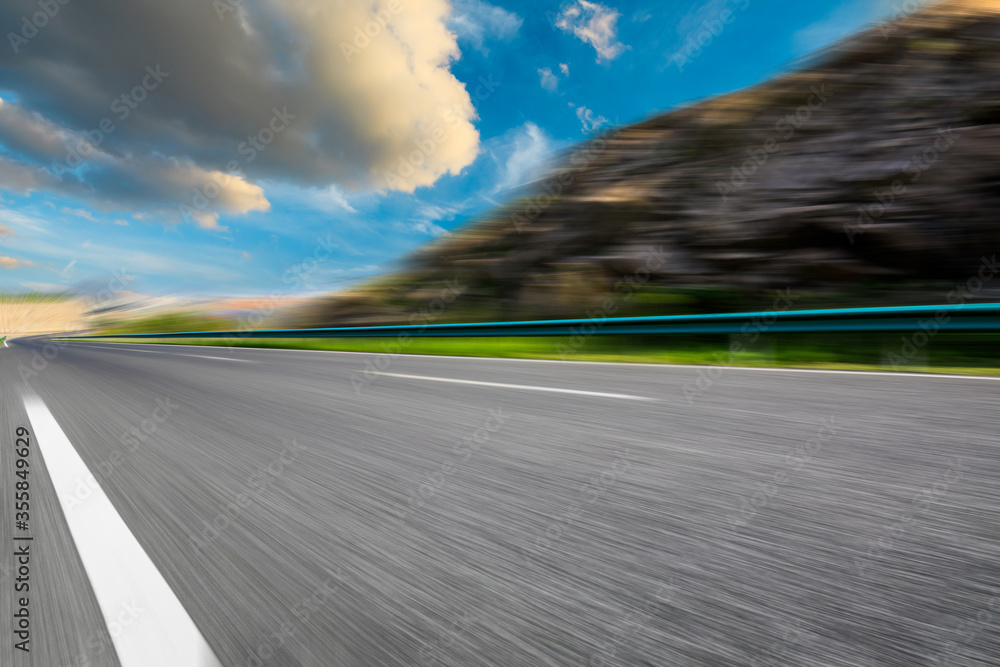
(298, 511)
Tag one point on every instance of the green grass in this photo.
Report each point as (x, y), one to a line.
(977, 354)
(166, 323)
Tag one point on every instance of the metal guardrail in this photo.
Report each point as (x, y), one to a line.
(961, 317)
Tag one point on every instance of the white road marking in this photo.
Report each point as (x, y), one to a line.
(183, 354)
(121, 574)
(521, 386)
(201, 356)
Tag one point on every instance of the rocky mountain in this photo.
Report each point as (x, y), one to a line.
(869, 175)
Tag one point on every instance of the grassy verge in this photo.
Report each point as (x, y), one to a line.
(974, 354)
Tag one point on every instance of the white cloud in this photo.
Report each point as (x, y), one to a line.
(594, 24)
(25, 222)
(355, 105)
(427, 215)
(474, 21)
(549, 80)
(530, 150)
(564, 68)
(589, 120)
(429, 228)
(80, 212)
(333, 197)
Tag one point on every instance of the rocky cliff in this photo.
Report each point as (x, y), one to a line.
(869, 175)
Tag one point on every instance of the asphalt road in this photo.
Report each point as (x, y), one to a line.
(504, 512)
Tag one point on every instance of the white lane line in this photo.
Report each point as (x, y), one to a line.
(121, 574)
(182, 354)
(201, 356)
(521, 386)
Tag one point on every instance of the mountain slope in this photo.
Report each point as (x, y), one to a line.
(870, 176)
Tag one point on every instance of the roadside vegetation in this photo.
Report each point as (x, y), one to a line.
(961, 353)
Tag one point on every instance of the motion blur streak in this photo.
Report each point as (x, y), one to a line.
(588, 532)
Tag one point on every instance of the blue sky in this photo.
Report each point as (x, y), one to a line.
(527, 79)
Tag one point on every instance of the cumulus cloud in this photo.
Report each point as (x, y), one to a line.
(475, 21)
(355, 87)
(589, 120)
(594, 24)
(549, 80)
(564, 68)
